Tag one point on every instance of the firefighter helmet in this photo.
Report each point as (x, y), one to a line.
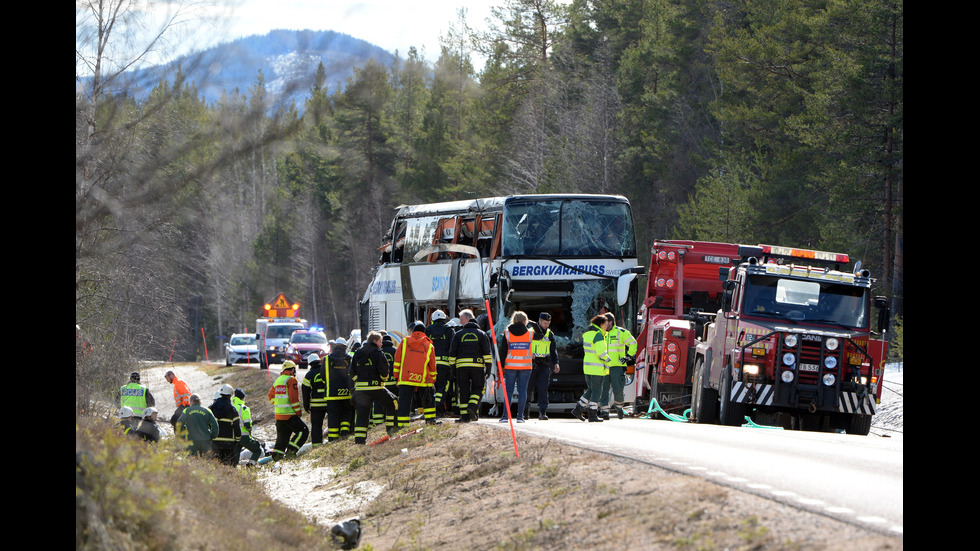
(288, 364)
(438, 315)
(226, 390)
(312, 358)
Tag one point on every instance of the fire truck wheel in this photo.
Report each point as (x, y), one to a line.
(731, 413)
(704, 401)
(858, 424)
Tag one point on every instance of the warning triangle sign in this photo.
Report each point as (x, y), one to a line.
(281, 307)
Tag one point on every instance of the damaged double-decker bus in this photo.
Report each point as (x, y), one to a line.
(570, 255)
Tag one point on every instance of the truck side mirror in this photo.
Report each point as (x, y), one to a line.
(726, 297)
(884, 313)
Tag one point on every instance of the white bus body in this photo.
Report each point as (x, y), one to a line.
(573, 256)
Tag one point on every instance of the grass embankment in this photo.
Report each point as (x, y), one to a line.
(452, 486)
(133, 495)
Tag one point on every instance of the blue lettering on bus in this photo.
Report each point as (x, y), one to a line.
(439, 283)
(556, 270)
(385, 287)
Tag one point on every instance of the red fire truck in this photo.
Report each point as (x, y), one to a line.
(781, 335)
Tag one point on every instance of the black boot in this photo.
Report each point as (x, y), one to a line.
(620, 413)
(577, 412)
(594, 416)
(604, 414)
(542, 416)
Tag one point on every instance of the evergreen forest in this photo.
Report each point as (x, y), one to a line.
(762, 121)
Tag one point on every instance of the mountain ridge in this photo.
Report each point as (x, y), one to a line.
(287, 59)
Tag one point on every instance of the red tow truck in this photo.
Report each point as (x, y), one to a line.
(778, 334)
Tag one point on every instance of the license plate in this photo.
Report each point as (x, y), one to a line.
(809, 367)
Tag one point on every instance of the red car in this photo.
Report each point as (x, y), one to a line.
(304, 342)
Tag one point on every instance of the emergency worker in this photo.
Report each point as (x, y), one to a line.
(415, 374)
(441, 335)
(125, 416)
(388, 349)
(515, 348)
(182, 394)
(245, 415)
(544, 352)
(291, 431)
(471, 357)
(595, 366)
(315, 398)
(622, 350)
(135, 396)
(340, 410)
(225, 443)
(148, 429)
(198, 426)
(369, 369)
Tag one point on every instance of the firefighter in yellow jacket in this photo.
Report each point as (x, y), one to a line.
(595, 367)
(291, 431)
(415, 374)
(622, 350)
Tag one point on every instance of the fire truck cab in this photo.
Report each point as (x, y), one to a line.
(791, 344)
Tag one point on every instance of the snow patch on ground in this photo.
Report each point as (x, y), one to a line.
(302, 487)
(888, 421)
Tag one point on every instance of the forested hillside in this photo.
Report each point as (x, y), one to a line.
(754, 122)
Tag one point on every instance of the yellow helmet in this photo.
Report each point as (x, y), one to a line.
(288, 364)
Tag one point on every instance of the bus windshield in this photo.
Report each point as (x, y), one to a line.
(807, 300)
(569, 228)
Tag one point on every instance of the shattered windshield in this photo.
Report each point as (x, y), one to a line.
(806, 300)
(570, 227)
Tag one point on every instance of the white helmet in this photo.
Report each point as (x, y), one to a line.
(226, 390)
(149, 412)
(453, 322)
(124, 412)
(312, 358)
(341, 341)
(438, 315)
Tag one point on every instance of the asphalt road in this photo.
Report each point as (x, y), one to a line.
(856, 479)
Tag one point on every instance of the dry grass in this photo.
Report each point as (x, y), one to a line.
(134, 495)
(453, 487)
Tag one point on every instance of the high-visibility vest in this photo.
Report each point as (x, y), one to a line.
(280, 403)
(620, 343)
(596, 359)
(419, 370)
(541, 348)
(244, 413)
(133, 396)
(182, 393)
(518, 350)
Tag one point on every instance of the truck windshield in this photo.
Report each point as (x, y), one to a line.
(808, 300)
(569, 228)
(281, 331)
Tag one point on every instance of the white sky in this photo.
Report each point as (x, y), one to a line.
(390, 24)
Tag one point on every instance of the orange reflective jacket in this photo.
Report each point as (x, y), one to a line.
(415, 361)
(518, 350)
